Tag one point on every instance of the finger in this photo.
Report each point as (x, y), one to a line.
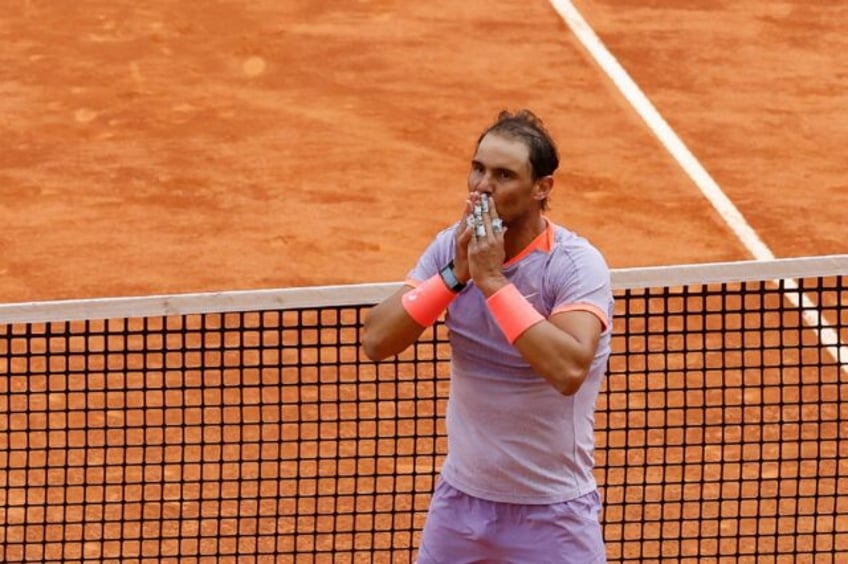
(466, 213)
(487, 205)
(468, 229)
(480, 230)
(493, 209)
(465, 236)
(497, 226)
(495, 222)
(479, 225)
(471, 242)
(473, 215)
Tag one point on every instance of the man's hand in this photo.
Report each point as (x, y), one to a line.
(486, 252)
(464, 234)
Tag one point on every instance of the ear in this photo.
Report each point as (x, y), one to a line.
(543, 187)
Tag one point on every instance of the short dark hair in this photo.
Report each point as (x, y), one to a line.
(527, 127)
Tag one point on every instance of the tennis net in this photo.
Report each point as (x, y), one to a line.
(249, 427)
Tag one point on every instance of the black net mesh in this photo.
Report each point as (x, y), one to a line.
(266, 436)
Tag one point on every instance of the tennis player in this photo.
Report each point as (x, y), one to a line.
(529, 309)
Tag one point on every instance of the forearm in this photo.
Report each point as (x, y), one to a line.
(388, 329)
(560, 349)
(396, 323)
(556, 356)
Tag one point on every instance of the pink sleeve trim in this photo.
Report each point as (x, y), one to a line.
(598, 312)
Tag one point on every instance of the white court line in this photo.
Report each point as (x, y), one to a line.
(828, 336)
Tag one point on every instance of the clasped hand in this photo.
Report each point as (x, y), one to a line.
(480, 249)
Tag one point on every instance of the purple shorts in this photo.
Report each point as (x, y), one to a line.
(464, 529)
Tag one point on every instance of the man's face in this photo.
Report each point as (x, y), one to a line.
(501, 168)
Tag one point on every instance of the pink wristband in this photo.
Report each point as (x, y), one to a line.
(513, 312)
(427, 302)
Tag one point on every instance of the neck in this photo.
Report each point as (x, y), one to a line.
(520, 234)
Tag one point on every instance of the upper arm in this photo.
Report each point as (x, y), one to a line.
(584, 327)
(581, 302)
(581, 299)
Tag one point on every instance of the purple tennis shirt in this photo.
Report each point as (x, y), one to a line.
(512, 437)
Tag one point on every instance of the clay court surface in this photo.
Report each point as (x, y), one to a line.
(166, 147)
(169, 147)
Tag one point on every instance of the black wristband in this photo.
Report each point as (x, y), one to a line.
(450, 279)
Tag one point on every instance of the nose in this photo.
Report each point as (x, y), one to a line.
(483, 184)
